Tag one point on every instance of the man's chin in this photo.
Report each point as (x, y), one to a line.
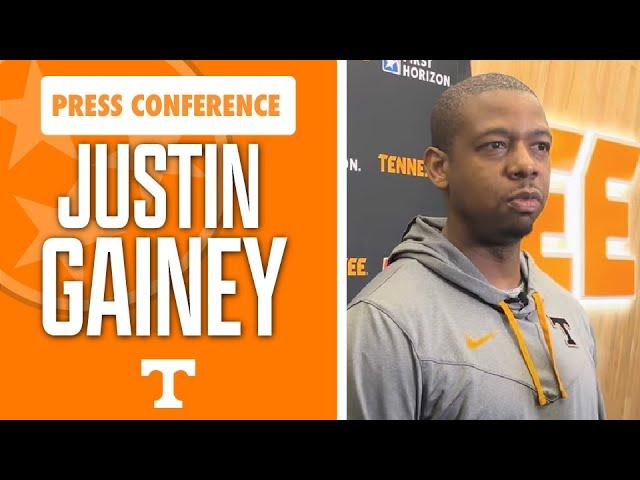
(520, 229)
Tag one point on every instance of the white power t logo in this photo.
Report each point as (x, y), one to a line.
(168, 368)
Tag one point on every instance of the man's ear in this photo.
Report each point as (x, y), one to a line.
(437, 164)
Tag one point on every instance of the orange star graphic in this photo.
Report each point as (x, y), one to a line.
(25, 114)
(46, 221)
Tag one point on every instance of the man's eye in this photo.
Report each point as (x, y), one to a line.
(495, 145)
(543, 146)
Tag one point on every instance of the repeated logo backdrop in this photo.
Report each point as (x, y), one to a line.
(389, 104)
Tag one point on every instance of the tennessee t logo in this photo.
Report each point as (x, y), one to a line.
(564, 325)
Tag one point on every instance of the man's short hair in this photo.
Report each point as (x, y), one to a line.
(446, 117)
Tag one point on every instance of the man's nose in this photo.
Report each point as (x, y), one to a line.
(521, 163)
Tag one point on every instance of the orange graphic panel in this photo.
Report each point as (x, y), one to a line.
(290, 374)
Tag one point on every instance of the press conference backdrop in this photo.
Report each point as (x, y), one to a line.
(389, 104)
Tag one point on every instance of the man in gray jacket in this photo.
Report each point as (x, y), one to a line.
(462, 324)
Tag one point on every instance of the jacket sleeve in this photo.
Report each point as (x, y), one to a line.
(384, 379)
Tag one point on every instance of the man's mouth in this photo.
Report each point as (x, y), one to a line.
(525, 201)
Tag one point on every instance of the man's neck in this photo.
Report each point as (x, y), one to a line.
(499, 264)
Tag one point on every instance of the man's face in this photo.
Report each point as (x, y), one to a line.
(499, 166)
